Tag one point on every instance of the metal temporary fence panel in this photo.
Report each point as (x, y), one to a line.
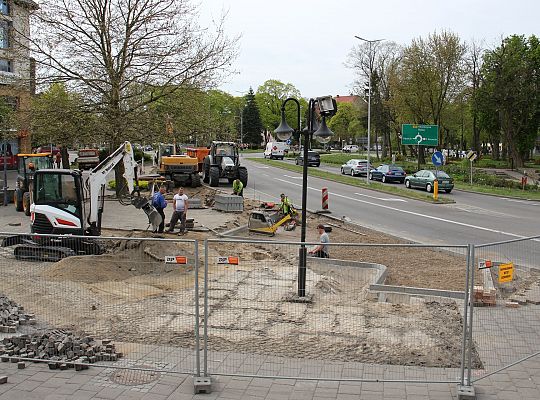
(349, 326)
(132, 307)
(506, 316)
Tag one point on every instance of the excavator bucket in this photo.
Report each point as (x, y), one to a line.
(266, 222)
(146, 205)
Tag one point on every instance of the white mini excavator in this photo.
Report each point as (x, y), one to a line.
(58, 207)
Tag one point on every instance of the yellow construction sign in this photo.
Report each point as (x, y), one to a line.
(506, 272)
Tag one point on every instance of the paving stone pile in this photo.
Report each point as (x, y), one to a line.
(60, 349)
(12, 315)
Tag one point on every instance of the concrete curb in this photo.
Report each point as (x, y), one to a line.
(417, 291)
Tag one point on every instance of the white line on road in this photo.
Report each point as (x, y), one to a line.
(417, 214)
(381, 198)
(293, 177)
(529, 203)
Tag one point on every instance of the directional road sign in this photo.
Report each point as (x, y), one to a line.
(437, 159)
(421, 135)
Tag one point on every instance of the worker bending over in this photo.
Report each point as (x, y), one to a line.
(238, 187)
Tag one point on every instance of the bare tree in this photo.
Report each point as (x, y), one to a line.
(122, 55)
(382, 61)
(117, 51)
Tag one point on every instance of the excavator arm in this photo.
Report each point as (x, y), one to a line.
(98, 180)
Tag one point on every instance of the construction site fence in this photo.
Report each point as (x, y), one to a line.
(240, 307)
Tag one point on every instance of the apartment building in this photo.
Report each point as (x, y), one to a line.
(17, 71)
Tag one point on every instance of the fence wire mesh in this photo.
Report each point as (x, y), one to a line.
(341, 330)
(506, 304)
(124, 308)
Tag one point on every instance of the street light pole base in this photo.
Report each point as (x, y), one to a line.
(294, 298)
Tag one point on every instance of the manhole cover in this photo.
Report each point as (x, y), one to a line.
(131, 377)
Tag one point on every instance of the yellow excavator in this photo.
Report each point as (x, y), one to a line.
(181, 169)
(267, 220)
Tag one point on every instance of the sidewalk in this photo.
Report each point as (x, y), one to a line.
(39, 383)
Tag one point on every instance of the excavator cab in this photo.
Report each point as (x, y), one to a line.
(59, 193)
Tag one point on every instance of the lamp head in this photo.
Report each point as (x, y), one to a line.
(323, 134)
(283, 131)
(327, 105)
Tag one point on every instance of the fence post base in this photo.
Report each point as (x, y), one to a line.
(466, 392)
(202, 384)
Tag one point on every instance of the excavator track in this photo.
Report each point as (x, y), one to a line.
(42, 253)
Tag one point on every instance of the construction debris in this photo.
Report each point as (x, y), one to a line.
(484, 297)
(12, 315)
(59, 348)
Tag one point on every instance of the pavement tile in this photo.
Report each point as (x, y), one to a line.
(301, 394)
(21, 395)
(231, 394)
(349, 388)
(163, 389)
(110, 393)
(506, 395)
(326, 392)
(28, 385)
(346, 396)
(154, 396)
(85, 395)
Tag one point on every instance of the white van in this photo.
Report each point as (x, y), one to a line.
(276, 150)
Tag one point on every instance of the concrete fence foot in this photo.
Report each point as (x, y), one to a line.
(466, 392)
(202, 384)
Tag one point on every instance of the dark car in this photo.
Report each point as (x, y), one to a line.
(314, 159)
(424, 179)
(388, 173)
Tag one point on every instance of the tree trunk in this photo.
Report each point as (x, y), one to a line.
(65, 157)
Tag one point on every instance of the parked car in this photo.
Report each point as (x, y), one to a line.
(355, 167)
(388, 173)
(350, 148)
(424, 179)
(314, 159)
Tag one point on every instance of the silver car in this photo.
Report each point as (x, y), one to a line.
(355, 167)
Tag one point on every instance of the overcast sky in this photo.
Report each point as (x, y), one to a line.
(306, 43)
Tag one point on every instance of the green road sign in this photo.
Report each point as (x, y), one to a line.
(422, 135)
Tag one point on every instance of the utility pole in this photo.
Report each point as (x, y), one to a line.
(371, 60)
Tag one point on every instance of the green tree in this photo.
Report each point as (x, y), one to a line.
(270, 96)
(253, 126)
(346, 123)
(511, 82)
(58, 116)
(429, 78)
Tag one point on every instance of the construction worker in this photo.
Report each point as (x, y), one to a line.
(58, 159)
(238, 187)
(321, 250)
(181, 204)
(285, 206)
(159, 203)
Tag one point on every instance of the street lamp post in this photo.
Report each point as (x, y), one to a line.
(327, 107)
(5, 188)
(370, 42)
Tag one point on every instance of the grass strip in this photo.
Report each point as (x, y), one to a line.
(496, 191)
(349, 180)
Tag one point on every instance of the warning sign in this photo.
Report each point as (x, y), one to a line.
(228, 260)
(506, 272)
(175, 260)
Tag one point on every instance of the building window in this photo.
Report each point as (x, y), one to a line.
(6, 65)
(4, 7)
(4, 34)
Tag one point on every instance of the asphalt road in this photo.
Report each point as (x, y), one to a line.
(474, 218)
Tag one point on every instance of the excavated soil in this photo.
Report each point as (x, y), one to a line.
(130, 294)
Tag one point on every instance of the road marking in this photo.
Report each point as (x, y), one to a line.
(529, 203)
(418, 214)
(293, 177)
(261, 167)
(381, 198)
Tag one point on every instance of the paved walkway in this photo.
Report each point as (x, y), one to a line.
(37, 382)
